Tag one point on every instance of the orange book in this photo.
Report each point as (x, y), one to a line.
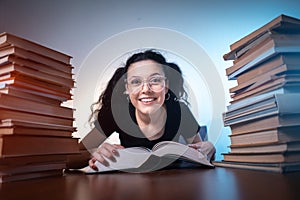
(7, 39)
(24, 127)
(35, 88)
(263, 158)
(38, 118)
(21, 145)
(31, 73)
(4, 178)
(15, 75)
(23, 53)
(31, 95)
(20, 104)
(56, 71)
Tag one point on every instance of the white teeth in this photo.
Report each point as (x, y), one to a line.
(147, 100)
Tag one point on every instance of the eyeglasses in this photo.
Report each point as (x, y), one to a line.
(154, 83)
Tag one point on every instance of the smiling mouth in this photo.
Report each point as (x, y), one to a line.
(147, 100)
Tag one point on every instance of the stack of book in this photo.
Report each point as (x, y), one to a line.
(35, 128)
(264, 114)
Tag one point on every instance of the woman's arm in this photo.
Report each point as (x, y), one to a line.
(93, 139)
(194, 139)
(86, 147)
(99, 150)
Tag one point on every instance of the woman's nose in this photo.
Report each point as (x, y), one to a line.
(145, 87)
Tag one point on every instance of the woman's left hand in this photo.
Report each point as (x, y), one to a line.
(204, 147)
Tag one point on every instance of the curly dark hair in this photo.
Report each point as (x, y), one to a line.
(175, 81)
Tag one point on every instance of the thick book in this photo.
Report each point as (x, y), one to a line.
(266, 148)
(34, 89)
(280, 135)
(33, 159)
(35, 74)
(25, 127)
(31, 80)
(256, 98)
(21, 104)
(288, 82)
(18, 115)
(53, 70)
(281, 24)
(263, 157)
(143, 159)
(30, 95)
(259, 55)
(266, 123)
(30, 175)
(261, 79)
(7, 170)
(35, 85)
(24, 145)
(277, 40)
(7, 39)
(23, 53)
(19, 130)
(274, 104)
(289, 60)
(268, 167)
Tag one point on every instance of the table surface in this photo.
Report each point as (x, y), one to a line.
(217, 183)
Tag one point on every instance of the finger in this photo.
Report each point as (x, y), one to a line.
(112, 148)
(194, 146)
(92, 164)
(108, 152)
(118, 146)
(100, 158)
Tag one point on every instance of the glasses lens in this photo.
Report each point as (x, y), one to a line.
(156, 84)
(134, 84)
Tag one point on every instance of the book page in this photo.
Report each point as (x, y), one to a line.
(129, 158)
(178, 150)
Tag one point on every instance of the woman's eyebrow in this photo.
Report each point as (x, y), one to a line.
(154, 74)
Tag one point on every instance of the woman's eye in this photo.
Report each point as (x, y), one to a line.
(135, 82)
(156, 80)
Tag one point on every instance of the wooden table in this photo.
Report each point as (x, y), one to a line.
(185, 184)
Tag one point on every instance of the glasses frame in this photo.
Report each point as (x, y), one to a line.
(146, 81)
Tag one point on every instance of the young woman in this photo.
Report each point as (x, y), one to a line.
(145, 102)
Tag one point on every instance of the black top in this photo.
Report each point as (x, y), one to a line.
(180, 121)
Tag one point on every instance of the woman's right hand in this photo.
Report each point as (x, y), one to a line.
(105, 151)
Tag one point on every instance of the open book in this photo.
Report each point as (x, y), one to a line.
(140, 159)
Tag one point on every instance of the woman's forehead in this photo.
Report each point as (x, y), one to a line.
(145, 68)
